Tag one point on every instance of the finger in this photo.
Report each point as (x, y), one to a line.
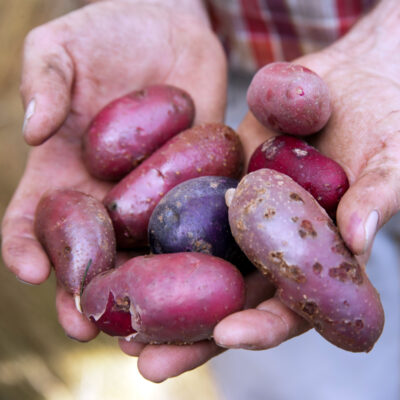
(369, 203)
(252, 134)
(160, 362)
(46, 82)
(75, 324)
(130, 347)
(21, 251)
(258, 289)
(206, 84)
(270, 324)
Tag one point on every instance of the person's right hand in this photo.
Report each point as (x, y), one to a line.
(75, 65)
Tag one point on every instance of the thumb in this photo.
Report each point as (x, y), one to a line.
(367, 205)
(47, 75)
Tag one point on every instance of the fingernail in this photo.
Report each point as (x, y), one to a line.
(244, 346)
(74, 338)
(370, 228)
(25, 282)
(224, 346)
(30, 110)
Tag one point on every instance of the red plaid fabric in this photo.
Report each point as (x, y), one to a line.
(256, 32)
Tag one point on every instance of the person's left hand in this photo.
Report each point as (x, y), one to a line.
(362, 136)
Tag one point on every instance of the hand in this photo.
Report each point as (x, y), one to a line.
(72, 67)
(363, 136)
(361, 71)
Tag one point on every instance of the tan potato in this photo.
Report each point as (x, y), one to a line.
(290, 238)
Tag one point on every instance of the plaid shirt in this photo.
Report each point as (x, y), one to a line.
(255, 32)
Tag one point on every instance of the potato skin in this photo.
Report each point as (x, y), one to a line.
(132, 127)
(193, 217)
(323, 177)
(289, 237)
(77, 235)
(289, 98)
(170, 298)
(209, 149)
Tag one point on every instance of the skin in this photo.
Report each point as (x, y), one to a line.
(69, 88)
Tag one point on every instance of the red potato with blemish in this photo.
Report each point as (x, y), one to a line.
(290, 238)
(289, 98)
(323, 177)
(132, 127)
(77, 235)
(204, 150)
(165, 298)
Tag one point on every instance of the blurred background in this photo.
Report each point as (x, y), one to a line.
(37, 360)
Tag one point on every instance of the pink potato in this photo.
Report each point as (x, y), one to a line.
(289, 98)
(132, 127)
(165, 298)
(323, 177)
(290, 238)
(209, 149)
(77, 235)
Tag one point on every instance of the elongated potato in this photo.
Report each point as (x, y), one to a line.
(290, 238)
(77, 234)
(209, 149)
(165, 298)
(132, 127)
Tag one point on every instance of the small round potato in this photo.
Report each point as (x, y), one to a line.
(289, 98)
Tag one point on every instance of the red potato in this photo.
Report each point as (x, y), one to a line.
(209, 149)
(289, 237)
(132, 127)
(165, 298)
(289, 98)
(323, 177)
(77, 235)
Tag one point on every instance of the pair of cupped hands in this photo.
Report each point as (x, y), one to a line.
(75, 65)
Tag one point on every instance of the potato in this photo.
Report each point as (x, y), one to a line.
(132, 127)
(193, 216)
(209, 149)
(77, 235)
(323, 177)
(289, 98)
(290, 238)
(167, 298)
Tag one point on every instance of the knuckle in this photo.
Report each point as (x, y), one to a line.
(34, 36)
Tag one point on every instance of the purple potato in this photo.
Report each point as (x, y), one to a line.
(193, 217)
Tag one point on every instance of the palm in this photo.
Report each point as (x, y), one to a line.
(362, 136)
